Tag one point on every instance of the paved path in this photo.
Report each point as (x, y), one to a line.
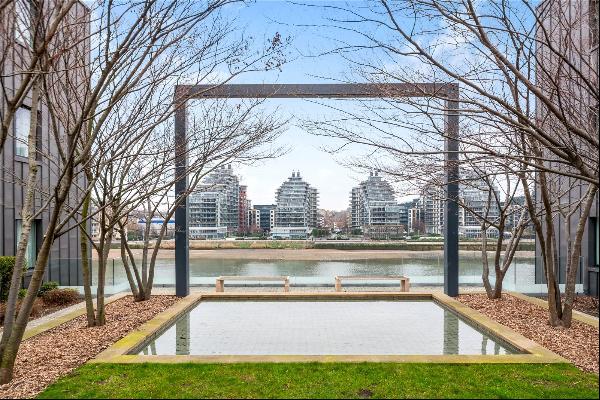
(205, 289)
(64, 311)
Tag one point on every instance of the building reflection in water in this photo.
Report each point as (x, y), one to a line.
(150, 349)
(450, 332)
(182, 335)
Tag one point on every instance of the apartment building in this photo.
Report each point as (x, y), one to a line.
(214, 207)
(426, 214)
(375, 211)
(567, 53)
(243, 208)
(431, 205)
(64, 263)
(265, 215)
(296, 212)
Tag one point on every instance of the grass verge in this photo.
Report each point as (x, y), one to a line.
(325, 380)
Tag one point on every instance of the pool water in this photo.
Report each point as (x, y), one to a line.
(322, 328)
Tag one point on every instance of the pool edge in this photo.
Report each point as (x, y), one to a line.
(120, 351)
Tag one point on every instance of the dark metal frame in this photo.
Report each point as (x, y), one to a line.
(448, 92)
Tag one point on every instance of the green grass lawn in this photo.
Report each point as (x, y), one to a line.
(314, 380)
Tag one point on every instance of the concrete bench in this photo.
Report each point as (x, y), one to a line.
(220, 284)
(404, 281)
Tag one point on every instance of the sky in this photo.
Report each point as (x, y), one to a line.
(310, 59)
(314, 31)
(333, 180)
(305, 153)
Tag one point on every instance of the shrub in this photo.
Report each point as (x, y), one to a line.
(36, 310)
(46, 287)
(60, 297)
(22, 293)
(7, 264)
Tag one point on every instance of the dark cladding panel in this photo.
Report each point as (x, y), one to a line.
(340, 90)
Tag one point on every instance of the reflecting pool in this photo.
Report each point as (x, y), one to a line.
(322, 328)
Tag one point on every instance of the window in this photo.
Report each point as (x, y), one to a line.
(23, 22)
(22, 124)
(31, 252)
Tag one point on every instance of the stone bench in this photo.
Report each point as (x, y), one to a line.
(404, 281)
(220, 283)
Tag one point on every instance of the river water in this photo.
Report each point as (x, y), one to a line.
(421, 270)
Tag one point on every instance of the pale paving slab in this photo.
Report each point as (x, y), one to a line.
(311, 289)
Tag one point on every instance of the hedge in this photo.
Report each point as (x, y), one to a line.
(7, 264)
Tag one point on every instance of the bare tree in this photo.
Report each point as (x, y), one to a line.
(525, 72)
(28, 32)
(34, 27)
(489, 186)
(219, 134)
(98, 60)
(132, 162)
(512, 217)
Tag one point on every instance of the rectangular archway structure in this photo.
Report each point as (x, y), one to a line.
(449, 92)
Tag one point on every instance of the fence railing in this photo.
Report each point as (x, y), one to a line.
(520, 277)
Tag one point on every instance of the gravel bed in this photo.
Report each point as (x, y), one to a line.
(578, 344)
(50, 355)
(586, 304)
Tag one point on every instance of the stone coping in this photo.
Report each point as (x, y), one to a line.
(120, 352)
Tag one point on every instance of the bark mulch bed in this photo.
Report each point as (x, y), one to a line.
(50, 355)
(579, 344)
(586, 304)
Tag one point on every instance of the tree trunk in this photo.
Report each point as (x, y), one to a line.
(124, 257)
(16, 336)
(145, 247)
(163, 231)
(497, 294)
(135, 281)
(554, 303)
(485, 276)
(546, 241)
(550, 254)
(26, 220)
(85, 264)
(103, 255)
(573, 260)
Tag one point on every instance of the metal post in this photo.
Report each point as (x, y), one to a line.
(451, 206)
(182, 261)
(449, 91)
